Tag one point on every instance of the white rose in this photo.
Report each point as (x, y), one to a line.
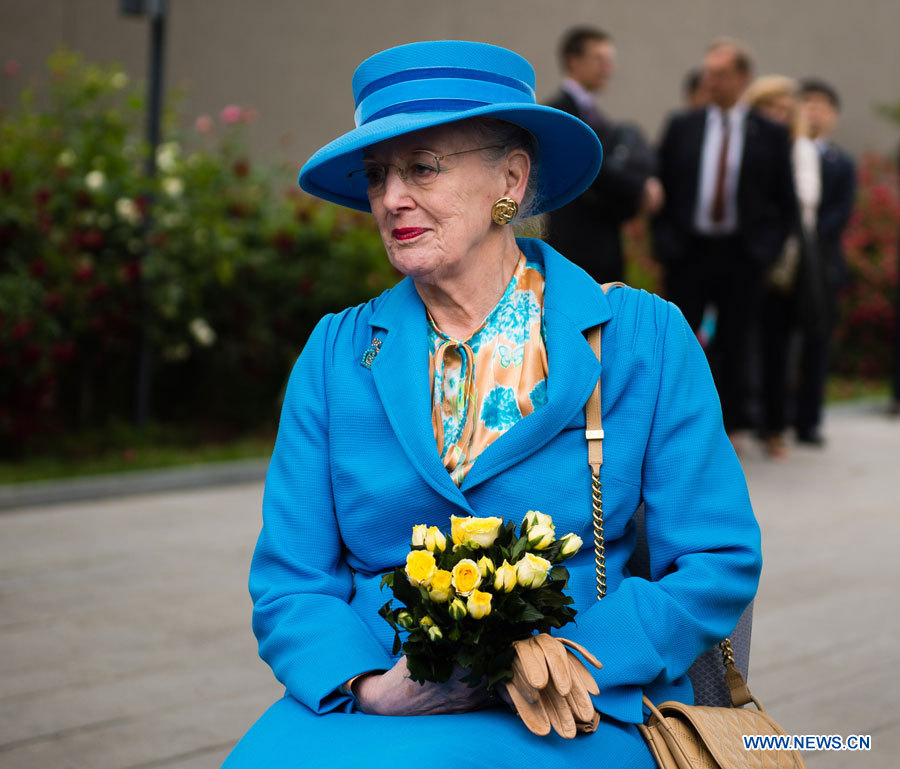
(202, 332)
(532, 570)
(128, 211)
(95, 180)
(173, 186)
(418, 535)
(571, 544)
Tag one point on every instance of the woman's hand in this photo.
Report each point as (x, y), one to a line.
(394, 693)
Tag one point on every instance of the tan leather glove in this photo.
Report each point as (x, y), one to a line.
(550, 686)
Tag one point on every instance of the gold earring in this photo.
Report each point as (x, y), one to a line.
(504, 211)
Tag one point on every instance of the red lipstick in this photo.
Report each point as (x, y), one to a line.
(407, 233)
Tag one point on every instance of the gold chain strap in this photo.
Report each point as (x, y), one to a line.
(727, 653)
(599, 549)
(740, 694)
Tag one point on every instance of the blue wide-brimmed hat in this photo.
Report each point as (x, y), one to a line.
(426, 84)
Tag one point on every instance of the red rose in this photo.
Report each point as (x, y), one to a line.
(31, 353)
(84, 271)
(284, 242)
(21, 330)
(130, 271)
(100, 290)
(92, 239)
(53, 301)
(63, 351)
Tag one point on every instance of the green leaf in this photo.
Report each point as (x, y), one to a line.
(559, 574)
(531, 614)
(518, 549)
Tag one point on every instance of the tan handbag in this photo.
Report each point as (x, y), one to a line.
(687, 736)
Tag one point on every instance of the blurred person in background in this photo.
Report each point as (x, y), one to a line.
(729, 206)
(794, 294)
(694, 89)
(588, 230)
(820, 110)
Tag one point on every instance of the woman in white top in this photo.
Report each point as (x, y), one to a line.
(794, 292)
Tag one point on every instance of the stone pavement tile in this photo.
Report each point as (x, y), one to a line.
(125, 631)
(125, 637)
(824, 651)
(164, 734)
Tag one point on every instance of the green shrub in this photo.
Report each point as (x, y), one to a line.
(230, 271)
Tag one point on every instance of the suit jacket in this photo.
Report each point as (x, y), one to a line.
(765, 196)
(355, 466)
(587, 230)
(835, 207)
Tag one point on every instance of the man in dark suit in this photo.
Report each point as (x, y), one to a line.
(820, 107)
(588, 230)
(730, 204)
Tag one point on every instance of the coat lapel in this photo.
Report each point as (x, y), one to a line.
(573, 303)
(400, 372)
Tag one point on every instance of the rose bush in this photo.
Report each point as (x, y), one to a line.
(864, 333)
(229, 272)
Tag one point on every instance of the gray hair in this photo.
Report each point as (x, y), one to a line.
(509, 137)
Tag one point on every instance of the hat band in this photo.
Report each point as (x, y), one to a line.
(428, 105)
(436, 89)
(432, 73)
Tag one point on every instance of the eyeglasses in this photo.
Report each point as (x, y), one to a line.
(421, 169)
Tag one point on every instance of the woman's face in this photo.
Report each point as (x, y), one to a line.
(778, 108)
(433, 232)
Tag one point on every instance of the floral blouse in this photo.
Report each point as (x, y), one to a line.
(485, 384)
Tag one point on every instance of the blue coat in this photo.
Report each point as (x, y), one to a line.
(355, 466)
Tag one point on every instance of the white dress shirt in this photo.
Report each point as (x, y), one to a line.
(807, 167)
(709, 165)
(582, 96)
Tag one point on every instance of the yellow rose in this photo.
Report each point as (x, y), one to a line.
(420, 567)
(456, 529)
(466, 576)
(505, 577)
(440, 586)
(571, 544)
(435, 539)
(434, 632)
(539, 529)
(479, 604)
(418, 537)
(531, 570)
(475, 532)
(457, 609)
(485, 566)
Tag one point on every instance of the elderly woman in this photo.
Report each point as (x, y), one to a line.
(461, 391)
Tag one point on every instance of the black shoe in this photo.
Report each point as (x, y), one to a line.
(811, 438)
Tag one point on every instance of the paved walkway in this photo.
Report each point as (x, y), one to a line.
(124, 623)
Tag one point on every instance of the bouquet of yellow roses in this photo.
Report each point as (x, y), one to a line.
(468, 600)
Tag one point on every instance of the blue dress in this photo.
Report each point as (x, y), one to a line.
(355, 466)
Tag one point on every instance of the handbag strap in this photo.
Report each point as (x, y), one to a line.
(593, 432)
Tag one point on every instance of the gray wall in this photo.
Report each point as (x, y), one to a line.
(293, 59)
